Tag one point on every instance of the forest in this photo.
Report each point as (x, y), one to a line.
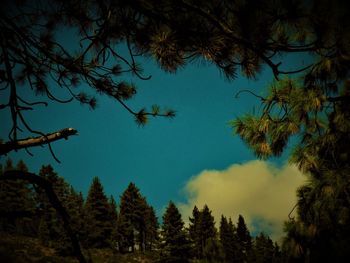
(43, 219)
(110, 231)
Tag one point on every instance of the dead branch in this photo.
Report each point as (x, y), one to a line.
(36, 141)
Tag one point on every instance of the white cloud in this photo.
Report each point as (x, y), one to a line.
(261, 192)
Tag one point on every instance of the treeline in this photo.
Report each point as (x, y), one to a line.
(129, 227)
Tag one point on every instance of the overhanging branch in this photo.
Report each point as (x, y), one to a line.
(37, 141)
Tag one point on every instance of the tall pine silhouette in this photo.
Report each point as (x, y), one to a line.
(137, 223)
(244, 240)
(17, 206)
(98, 217)
(175, 247)
(51, 230)
(201, 229)
(228, 239)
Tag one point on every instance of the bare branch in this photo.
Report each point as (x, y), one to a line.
(37, 141)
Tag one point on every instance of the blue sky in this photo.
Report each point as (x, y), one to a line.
(161, 157)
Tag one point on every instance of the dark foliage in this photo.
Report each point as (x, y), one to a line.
(175, 246)
(97, 217)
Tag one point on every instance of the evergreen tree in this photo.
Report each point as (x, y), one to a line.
(244, 240)
(130, 217)
(75, 208)
(17, 206)
(44, 232)
(213, 251)
(194, 232)
(228, 240)
(125, 234)
(278, 256)
(74, 204)
(114, 219)
(137, 224)
(201, 229)
(152, 226)
(98, 220)
(141, 216)
(175, 247)
(264, 250)
(231, 35)
(207, 228)
(50, 221)
(51, 228)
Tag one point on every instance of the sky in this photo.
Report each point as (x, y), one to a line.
(192, 159)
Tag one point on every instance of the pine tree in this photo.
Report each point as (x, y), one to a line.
(278, 256)
(75, 208)
(228, 239)
(46, 211)
(201, 229)
(207, 228)
(194, 232)
(114, 219)
(129, 217)
(152, 226)
(175, 247)
(125, 235)
(213, 251)
(264, 250)
(244, 240)
(232, 36)
(51, 228)
(137, 224)
(44, 232)
(98, 220)
(141, 217)
(17, 206)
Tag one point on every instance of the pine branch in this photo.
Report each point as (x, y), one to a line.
(37, 141)
(55, 202)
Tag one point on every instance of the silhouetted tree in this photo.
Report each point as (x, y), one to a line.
(75, 207)
(151, 229)
(244, 240)
(114, 219)
(17, 206)
(130, 216)
(316, 108)
(51, 225)
(137, 223)
(98, 217)
(207, 228)
(175, 246)
(213, 251)
(194, 232)
(264, 250)
(228, 239)
(201, 229)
